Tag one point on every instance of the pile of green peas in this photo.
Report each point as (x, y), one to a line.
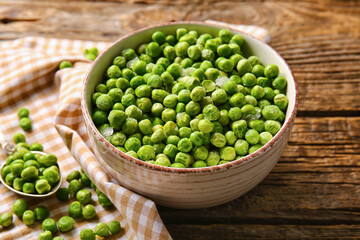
(30, 172)
(24, 122)
(189, 100)
(101, 229)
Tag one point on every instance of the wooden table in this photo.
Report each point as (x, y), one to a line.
(313, 192)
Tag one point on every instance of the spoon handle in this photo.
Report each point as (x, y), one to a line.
(6, 144)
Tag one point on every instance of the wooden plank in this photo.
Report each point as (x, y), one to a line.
(249, 231)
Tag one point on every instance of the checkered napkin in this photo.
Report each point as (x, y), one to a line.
(29, 77)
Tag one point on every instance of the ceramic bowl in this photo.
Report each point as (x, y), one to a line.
(190, 187)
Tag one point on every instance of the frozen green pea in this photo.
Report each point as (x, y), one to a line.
(30, 173)
(254, 148)
(238, 39)
(258, 125)
(73, 175)
(237, 100)
(74, 186)
(217, 127)
(243, 67)
(263, 103)
(29, 187)
(118, 139)
(258, 92)
(158, 95)
(113, 72)
(130, 126)
(168, 115)
(211, 112)
(185, 145)
(28, 217)
(218, 140)
(145, 126)
(258, 70)
(87, 234)
(62, 194)
(219, 96)
(230, 87)
(104, 102)
(18, 138)
(263, 81)
(42, 186)
(227, 153)
(184, 96)
(16, 168)
(197, 94)
(102, 230)
(281, 101)
(18, 184)
(49, 224)
(89, 211)
(132, 154)
(114, 227)
(146, 152)
(100, 117)
(25, 123)
(235, 113)
(197, 138)
(170, 101)
(41, 212)
(200, 153)
(249, 80)
(19, 207)
(128, 53)
(265, 137)
(120, 61)
(241, 147)
(199, 164)
(205, 126)
(239, 128)
(170, 128)
(193, 108)
(6, 219)
(101, 88)
(46, 235)
(133, 111)
(230, 138)
(83, 196)
(181, 49)
(269, 93)
(169, 52)
(272, 126)
(66, 223)
(75, 209)
(213, 158)
(183, 158)
(122, 83)
(270, 112)
(163, 162)
(271, 71)
(252, 136)
(224, 118)
(173, 139)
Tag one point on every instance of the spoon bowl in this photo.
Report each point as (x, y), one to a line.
(9, 149)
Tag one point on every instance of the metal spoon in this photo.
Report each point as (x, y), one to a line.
(10, 149)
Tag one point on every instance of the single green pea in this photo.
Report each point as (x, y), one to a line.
(113, 72)
(30, 173)
(181, 49)
(130, 126)
(146, 152)
(46, 235)
(89, 212)
(230, 87)
(128, 53)
(217, 127)
(16, 168)
(18, 184)
(258, 70)
(66, 223)
(271, 71)
(254, 148)
(185, 145)
(145, 126)
(270, 112)
(197, 94)
(114, 227)
(28, 217)
(252, 136)
(258, 125)
(173, 139)
(241, 147)
(99, 117)
(120, 61)
(102, 230)
(205, 126)
(211, 112)
(180, 32)
(87, 234)
(25, 123)
(41, 213)
(239, 128)
(281, 101)
(262, 103)
(200, 153)
(104, 201)
(227, 153)
(224, 118)
(47, 160)
(118, 139)
(75, 209)
(18, 138)
(230, 138)
(194, 52)
(265, 137)
(238, 39)
(177, 165)
(272, 126)
(42, 186)
(237, 100)
(158, 95)
(49, 224)
(158, 37)
(218, 140)
(122, 83)
(73, 175)
(219, 96)
(170, 52)
(74, 186)
(19, 207)
(29, 187)
(243, 67)
(170, 128)
(84, 196)
(199, 164)
(65, 64)
(183, 158)
(254, 60)
(6, 219)
(258, 92)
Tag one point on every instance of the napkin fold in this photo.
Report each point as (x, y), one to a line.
(29, 77)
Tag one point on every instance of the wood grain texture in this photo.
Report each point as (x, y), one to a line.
(313, 192)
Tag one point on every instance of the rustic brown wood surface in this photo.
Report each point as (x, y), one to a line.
(313, 192)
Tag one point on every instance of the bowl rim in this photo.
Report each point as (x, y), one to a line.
(246, 159)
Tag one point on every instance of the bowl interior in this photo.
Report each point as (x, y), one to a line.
(252, 46)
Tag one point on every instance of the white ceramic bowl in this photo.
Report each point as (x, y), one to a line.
(189, 187)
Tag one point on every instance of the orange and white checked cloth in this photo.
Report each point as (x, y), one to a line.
(29, 77)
